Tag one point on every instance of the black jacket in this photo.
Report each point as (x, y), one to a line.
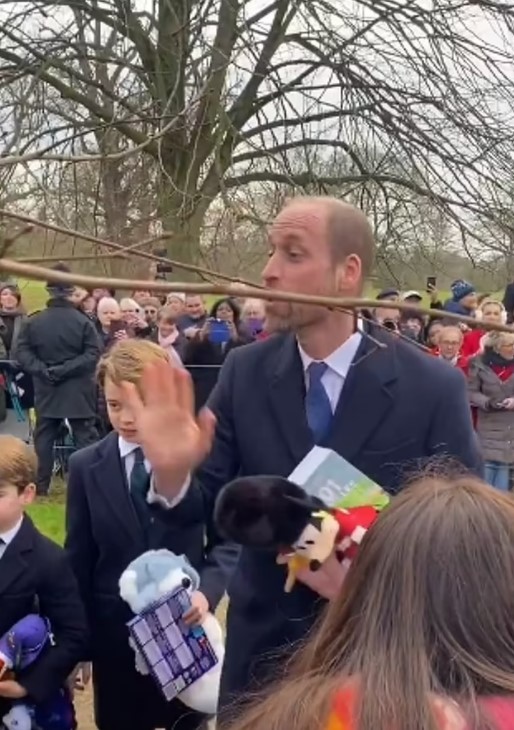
(60, 348)
(10, 328)
(35, 574)
(103, 536)
(203, 359)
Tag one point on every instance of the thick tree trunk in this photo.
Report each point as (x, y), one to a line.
(182, 214)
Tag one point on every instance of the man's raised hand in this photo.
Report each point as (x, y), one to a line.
(172, 437)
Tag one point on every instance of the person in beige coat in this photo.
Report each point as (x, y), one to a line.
(491, 390)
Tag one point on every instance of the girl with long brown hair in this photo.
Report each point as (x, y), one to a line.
(422, 635)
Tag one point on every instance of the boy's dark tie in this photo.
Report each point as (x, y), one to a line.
(317, 403)
(139, 486)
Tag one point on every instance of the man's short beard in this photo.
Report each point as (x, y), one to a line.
(293, 321)
(277, 324)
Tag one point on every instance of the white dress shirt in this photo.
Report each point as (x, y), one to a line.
(338, 363)
(127, 453)
(8, 536)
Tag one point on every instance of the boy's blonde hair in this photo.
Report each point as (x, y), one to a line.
(127, 359)
(18, 463)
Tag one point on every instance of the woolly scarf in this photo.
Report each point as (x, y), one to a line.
(169, 341)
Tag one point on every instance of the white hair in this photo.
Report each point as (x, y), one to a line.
(250, 303)
(176, 295)
(128, 303)
(107, 303)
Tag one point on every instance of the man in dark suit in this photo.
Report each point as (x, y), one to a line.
(59, 348)
(35, 576)
(377, 401)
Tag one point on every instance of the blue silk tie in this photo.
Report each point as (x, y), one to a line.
(317, 403)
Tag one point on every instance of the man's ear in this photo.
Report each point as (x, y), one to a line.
(28, 495)
(349, 273)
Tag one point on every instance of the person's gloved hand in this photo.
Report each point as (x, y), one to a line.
(54, 374)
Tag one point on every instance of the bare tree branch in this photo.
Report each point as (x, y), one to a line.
(39, 273)
(215, 94)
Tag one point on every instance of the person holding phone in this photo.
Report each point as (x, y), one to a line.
(491, 390)
(253, 317)
(206, 352)
(464, 299)
(110, 325)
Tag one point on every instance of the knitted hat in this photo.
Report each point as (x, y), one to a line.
(461, 289)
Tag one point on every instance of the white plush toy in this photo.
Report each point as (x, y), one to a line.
(150, 577)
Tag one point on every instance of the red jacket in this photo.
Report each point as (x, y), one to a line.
(462, 361)
(446, 714)
(471, 343)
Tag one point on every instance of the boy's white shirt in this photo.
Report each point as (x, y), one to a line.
(127, 450)
(8, 536)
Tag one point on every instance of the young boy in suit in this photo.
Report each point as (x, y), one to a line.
(35, 577)
(113, 516)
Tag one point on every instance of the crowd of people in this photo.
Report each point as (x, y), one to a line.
(78, 327)
(417, 634)
(200, 340)
(485, 358)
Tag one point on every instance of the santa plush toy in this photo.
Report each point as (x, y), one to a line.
(269, 512)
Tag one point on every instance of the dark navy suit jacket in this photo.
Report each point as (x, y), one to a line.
(104, 535)
(398, 408)
(35, 576)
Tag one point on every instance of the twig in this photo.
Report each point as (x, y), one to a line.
(8, 241)
(123, 253)
(83, 257)
(39, 273)
(121, 155)
(118, 247)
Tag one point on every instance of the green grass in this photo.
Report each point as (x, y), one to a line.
(33, 294)
(48, 513)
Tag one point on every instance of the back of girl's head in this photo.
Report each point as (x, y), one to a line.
(427, 608)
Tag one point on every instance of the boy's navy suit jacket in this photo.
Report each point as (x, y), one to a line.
(104, 535)
(36, 576)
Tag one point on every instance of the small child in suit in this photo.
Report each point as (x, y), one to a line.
(113, 516)
(35, 577)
